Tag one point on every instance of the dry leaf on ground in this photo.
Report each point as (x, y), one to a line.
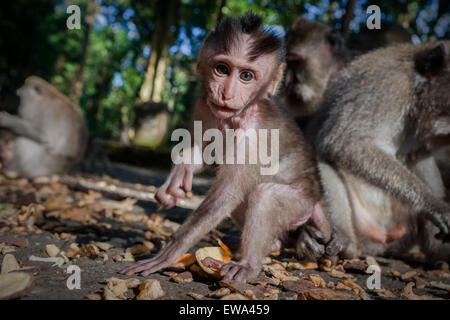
(279, 272)
(217, 253)
(234, 296)
(248, 290)
(183, 262)
(219, 293)
(150, 290)
(119, 287)
(9, 264)
(14, 284)
(410, 295)
(182, 277)
(52, 250)
(316, 280)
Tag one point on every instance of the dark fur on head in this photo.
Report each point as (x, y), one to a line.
(432, 94)
(308, 31)
(265, 40)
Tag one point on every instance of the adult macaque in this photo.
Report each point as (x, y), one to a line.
(314, 53)
(240, 66)
(50, 133)
(386, 114)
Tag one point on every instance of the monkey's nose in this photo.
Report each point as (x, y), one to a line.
(226, 97)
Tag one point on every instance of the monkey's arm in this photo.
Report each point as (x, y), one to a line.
(219, 204)
(370, 162)
(189, 162)
(19, 126)
(181, 175)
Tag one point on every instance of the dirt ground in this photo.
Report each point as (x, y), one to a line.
(101, 232)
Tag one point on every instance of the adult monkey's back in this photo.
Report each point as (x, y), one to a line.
(51, 134)
(385, 115)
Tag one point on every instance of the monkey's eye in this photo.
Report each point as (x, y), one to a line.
(222, 69)
(247, 76)
(37, 89)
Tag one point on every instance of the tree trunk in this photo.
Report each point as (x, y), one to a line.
(349, 11)
(153, 87)
(155, 129)
(78, 83)
(222, 4)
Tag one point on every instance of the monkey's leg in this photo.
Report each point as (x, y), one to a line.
(273, 210)
(19, 126)
(311, 242)
(218, 204)
(434, 249)
(386, 172)
(428, 170)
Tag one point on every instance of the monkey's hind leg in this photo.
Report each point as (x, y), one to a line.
(311, 244)
(273, 209)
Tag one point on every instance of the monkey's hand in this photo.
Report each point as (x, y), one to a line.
(161, 261)
(439, 215)
(180, 176)
(311, 243)
(241, 271)
(442, 221)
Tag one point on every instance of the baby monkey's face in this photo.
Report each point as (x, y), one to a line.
(233, 81)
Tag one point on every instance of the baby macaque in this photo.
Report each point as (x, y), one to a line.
(50, 133)
(314, 53)
(240, 66)
(385, 115)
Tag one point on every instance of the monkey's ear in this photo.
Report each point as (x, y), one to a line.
(197, 68)
(276, 82)
(37, 88)
(430, 61)
(336, 40)
(297, 23)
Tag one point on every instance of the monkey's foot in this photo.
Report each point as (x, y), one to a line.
(234, 271)
(146, 267)
(311, 244)
(238, 271)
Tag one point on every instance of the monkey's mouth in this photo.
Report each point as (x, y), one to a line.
(222, 111)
